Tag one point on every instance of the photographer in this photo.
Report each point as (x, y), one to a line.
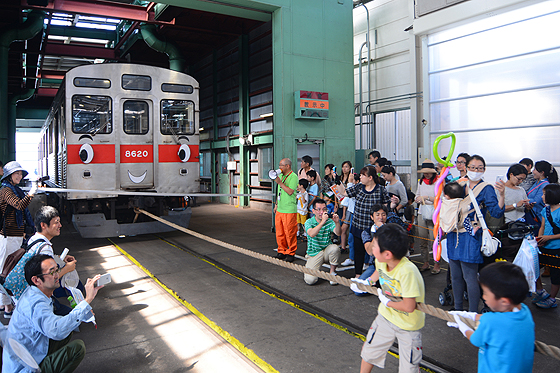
(319, 247)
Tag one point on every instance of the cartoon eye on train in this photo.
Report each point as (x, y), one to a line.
(122, 128)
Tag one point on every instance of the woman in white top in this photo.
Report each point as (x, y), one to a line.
(515, 196)
(425, 195)
(395, 187)
(515, 202)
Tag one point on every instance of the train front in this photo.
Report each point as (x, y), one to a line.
(130, 139)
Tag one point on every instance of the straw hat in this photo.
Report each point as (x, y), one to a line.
(428, 167)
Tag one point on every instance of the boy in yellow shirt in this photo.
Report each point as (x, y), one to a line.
(400, 280)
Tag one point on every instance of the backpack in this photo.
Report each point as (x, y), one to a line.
(15, 281)
(454, 211)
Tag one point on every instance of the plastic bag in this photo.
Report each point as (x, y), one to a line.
(528, 259)
(489, 244)
(70, 280)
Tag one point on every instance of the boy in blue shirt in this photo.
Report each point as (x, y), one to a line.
(506, 336)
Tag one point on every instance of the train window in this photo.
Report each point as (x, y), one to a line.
(92, 114)
(136, 82)
(177, 88)
(136, 120)
(177, 117)
(92, 82)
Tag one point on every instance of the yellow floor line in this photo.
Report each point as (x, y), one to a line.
(339, 327)
(250, 354)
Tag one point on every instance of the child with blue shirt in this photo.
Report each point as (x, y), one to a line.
(506, 336)
(312, 190)
(549, 244)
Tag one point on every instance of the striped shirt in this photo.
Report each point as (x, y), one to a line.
(7, 197)
(323, 239)
(364, 203)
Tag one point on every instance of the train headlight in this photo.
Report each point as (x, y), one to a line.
(184, 153)
(86, 153)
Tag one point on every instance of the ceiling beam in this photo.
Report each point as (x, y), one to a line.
(82, 32)
(58, 49)
(101, 8)
(46, 92)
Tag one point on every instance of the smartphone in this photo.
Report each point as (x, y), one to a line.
(104, 279)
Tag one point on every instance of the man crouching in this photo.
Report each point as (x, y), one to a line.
(35, 326)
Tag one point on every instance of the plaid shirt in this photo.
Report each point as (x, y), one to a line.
(364, 203)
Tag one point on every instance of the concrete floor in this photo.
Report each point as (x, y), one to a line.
(142, 327)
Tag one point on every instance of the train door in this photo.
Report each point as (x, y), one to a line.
(137, 144)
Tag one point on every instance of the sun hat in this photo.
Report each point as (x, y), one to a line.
(428, 167)
(11, 167)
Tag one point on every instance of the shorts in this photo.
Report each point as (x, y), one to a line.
(380, 338)
(301, 219)
(347, 222)
(551, 257)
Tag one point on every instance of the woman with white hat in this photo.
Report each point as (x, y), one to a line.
(15, 217)
(425, 195)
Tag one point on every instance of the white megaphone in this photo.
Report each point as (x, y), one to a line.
(273, 174)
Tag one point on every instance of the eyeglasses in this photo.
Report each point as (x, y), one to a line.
(520, 179)
(322, 210)
(480, 168)
(460, 162)
(51, 273)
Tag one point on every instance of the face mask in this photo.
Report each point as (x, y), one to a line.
(475, 176)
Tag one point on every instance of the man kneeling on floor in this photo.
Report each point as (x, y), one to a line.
(320, 249)
(35, 326)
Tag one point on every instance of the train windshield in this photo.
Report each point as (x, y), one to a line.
(92, 114)
(136, 117)
(177, 117)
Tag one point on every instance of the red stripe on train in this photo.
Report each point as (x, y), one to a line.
(168, 153)
(102, 153)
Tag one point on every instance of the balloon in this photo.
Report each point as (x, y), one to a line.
(438, 189)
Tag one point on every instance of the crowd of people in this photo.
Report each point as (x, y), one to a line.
(365, 213)
(34, 276)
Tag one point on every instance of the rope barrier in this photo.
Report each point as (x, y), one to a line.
(540, 347)
(149, 194)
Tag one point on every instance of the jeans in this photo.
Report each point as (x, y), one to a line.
(468, 272)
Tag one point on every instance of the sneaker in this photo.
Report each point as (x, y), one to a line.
(347, 262)
(547, 303)
(280, 256)
(333, 283)
(8, 315)
(540, 295)
(289, 258)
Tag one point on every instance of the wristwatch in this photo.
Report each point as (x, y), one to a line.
(514, 205)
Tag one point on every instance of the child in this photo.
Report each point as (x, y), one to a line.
(549, 243)
(312, 190)
(347, 220)
(506, 336)
(398, 277)
(302, 199)
(453, 190)
(409, 216)
(379, 217)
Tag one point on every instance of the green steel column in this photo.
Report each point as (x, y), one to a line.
(215, 118)
(244, 168)
(22, 31)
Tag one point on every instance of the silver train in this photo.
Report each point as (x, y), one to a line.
(122, 128)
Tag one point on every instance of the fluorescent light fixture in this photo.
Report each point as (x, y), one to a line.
(266, 115)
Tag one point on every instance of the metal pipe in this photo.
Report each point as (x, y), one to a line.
(176, 58)
(22, 31)
(368, 44)
(12, 106)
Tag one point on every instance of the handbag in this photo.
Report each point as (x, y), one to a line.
(427, 211)
(489, 244)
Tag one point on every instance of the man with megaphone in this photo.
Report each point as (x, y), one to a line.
(286, 210)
